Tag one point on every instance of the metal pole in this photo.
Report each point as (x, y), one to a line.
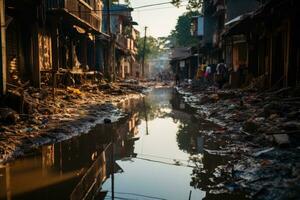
(144, 49)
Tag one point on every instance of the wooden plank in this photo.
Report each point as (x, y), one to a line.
(36, 77)
(3, 65)
(55, 53)
(287, 52)
(270, 67)
(93, 178)
(8, 182)
(296, 132)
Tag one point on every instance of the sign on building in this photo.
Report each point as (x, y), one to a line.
(200, 23)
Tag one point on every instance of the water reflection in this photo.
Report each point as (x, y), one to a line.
(160, 167)
(169, 160)
(158, 149)
(68, 170)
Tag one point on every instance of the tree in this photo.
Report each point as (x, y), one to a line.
(181, 36)
(152, 47)
(192, 4)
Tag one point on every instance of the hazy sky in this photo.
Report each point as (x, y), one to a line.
(160, 20)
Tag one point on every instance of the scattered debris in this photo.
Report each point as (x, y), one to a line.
(263, 152)
(107, 121)
(261, 139)
(8, 116)
(74, 110)
(281, 139)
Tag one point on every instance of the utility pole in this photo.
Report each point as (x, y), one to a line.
(144, 49)
(108, 69)
(2, 49)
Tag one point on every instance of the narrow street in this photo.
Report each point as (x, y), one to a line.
(149, 100)
(158, 151)
(160, 166)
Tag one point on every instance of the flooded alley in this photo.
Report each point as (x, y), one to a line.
(149, 100)
(159, 153)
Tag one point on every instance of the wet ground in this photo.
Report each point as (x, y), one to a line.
(159, 151)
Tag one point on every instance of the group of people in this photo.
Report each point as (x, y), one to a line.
(163, 76)
(208, 74)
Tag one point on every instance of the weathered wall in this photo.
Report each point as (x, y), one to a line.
(235, 8)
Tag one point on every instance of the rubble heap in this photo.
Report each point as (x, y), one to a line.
(262, 134)
(46, 119)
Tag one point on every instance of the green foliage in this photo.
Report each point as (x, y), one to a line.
(152, 48)
(192, 4)
(181, 36)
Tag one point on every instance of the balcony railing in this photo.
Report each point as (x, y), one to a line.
(89, 13)
(122, 41)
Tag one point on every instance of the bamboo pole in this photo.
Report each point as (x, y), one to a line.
(3, 65)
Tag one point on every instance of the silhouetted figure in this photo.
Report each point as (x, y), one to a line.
(177, 79)
(137, 74)
(160, 77)
(221, 73)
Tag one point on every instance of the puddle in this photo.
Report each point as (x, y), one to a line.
(169, 159)
(159, 153)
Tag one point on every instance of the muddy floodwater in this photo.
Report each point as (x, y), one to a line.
(157, 152)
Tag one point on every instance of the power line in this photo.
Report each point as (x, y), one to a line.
(156, 4)
(126, 9)
(139, 195)
(152, 9)
(121, 198)
(162, 157)
(169, 7)
(166, 163)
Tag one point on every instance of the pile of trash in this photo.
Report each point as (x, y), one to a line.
(262, 134)
(41, 116)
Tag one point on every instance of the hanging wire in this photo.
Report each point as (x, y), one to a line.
(128, 8)
(163, 8)
(162, 157)
(122, 198)
(140, 195)
(166, 163)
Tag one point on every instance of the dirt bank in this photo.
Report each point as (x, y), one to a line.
(73, 111)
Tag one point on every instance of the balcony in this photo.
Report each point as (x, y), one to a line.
(131, 46)
(88, 13)
(121, 42)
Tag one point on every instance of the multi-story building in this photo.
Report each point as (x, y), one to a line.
(262, 44)
(124, 34)
(219, 17)
(214, 17)
(42, 41)
(235, 48)
(79, 37)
